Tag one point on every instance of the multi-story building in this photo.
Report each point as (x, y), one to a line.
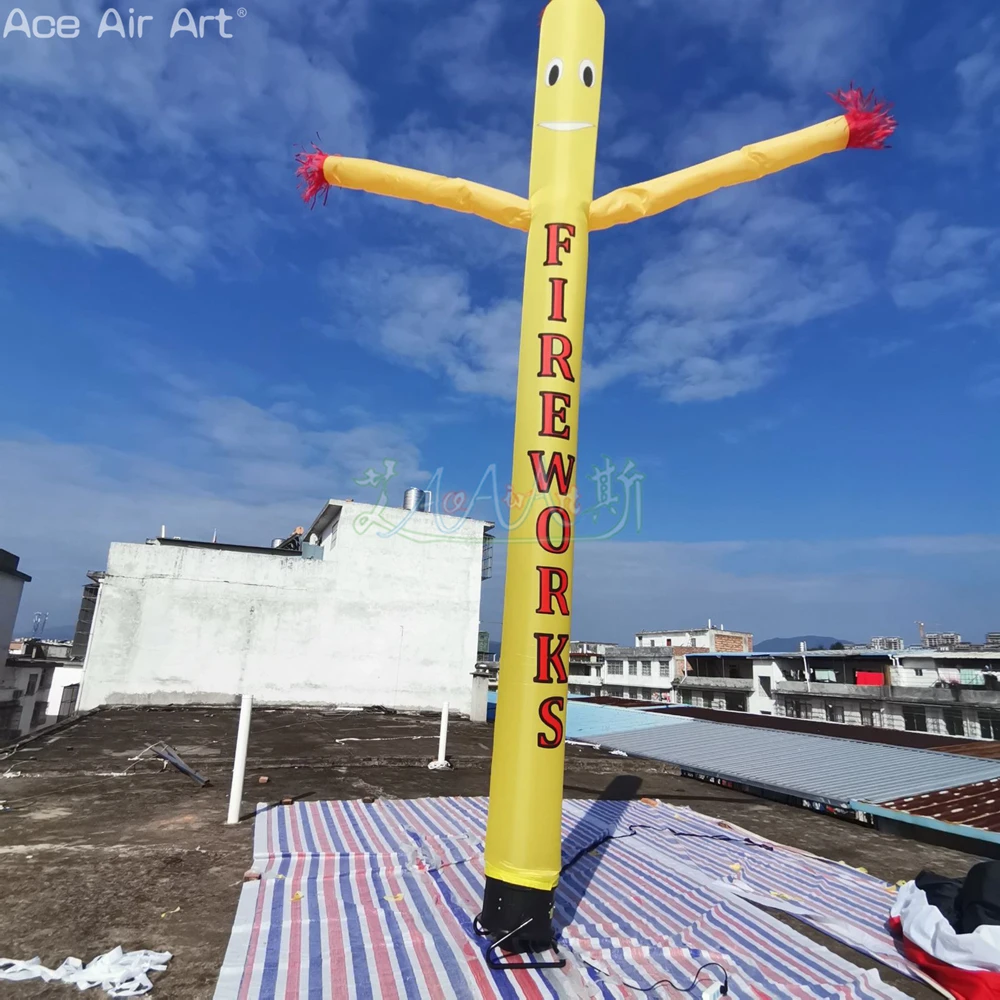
(937, 691)
(587, 665)
(886, 642)
(44, 682)
(941, 640)
(993, 639)
(646, 673)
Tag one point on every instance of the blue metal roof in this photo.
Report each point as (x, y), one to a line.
(819, 768)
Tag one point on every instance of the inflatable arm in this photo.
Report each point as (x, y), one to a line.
(321, 172)
(865, 124)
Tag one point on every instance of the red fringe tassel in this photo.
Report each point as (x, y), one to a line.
(867, 118)
(310, 171)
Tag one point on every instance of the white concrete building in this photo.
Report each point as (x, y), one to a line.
(378, 606)
(39, 685)
(646, 673)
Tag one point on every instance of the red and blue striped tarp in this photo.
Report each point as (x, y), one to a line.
(376, 900)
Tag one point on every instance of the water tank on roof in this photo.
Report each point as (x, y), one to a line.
(414, 499)
(276, 543)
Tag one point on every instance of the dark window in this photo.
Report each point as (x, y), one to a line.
(989, 725)
(38, 714)
(915, 719)
(67, 706)
(686, 697)
(736, 702)
(798, 709)
(765, 685)
(953, 721)
(867, 718)
(32, 684)
(834, 713)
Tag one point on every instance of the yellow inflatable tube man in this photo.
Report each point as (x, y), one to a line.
(523, 832)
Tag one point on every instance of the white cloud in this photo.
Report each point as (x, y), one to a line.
(423, 315)
(933, 260)
(746, 266)
(148, 145)
(802, 43)
(220, 462)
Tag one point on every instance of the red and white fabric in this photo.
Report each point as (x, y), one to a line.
(967, 965)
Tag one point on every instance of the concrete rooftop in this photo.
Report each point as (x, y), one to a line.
(91, 859)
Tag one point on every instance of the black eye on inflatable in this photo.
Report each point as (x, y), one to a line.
(587, 73)
(553, 71)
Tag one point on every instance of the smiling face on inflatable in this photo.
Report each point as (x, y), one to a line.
(568, 96)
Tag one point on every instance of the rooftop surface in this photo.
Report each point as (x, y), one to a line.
(91, 857)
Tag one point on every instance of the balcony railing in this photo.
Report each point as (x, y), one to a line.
(957, 695)
(717, 683)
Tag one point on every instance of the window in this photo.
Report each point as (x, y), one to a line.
(736, 702)
(670, 642)
(664, 669)
(38, 714)
(915, 719)
(765, 685)
(647, 669)
(953, 721)
(67, 706)
(615, 692)
(867, 719)
(32, 684)
(685, 697)
(797, 709)
(834, 713)
(989, 725)
(918, 672)
(614, 668)
(631, 669)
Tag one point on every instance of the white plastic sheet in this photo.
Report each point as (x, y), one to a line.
(118, 973)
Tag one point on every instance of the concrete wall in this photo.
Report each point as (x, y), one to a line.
(378, 620)
(10, 601)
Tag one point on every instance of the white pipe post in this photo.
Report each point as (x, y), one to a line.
(441, 763)
(240, 760)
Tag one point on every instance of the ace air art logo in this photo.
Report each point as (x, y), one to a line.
(125, 23)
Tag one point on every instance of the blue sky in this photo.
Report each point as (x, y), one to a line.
(804, 370)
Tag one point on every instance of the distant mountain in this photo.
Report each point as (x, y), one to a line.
(791, 644)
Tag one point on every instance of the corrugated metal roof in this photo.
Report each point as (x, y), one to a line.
(584, 721)
(819, 768)
(976, 805)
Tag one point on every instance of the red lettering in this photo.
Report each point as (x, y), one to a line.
(547, 713)
(548, 659)
(557, 468)
(543, 530)
(558, 314)
(551, 413)
(554, 244)
(551, 358)
(552, 583)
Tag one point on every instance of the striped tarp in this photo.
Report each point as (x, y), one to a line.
(376, 900)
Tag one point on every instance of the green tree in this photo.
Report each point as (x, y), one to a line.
(837, 645)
